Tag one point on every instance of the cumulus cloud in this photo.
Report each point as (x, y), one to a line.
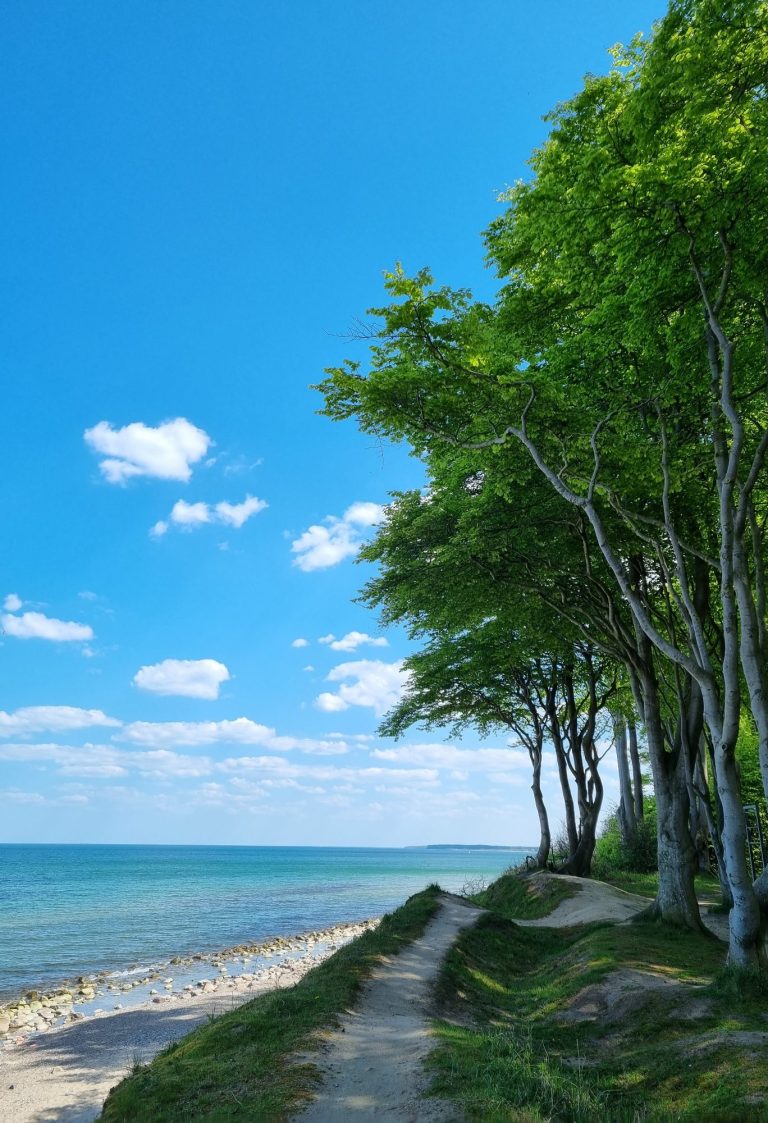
(240, 730)
(352, 640)
(327, 544)
(34, 625)
(236, 514)
(189, 516)
(300, 642)
(330, 703)
(329, 773)
(186, 678)
(166, 452)
(50, 719)
(12, 603)
(365, 682)
(104, 762)
(496, 761)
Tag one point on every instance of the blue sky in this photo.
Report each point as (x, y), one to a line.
(198, 199)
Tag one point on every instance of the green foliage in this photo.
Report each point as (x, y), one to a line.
(748, 761)
(242, 1065)
(635, 855)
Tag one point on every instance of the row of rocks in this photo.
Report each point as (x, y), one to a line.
(35, 1013)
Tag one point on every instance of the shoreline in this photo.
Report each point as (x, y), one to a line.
(65, 1070)
(231, 971)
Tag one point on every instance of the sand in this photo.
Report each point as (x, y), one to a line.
(596, 900)
(64, 1074)
(372, 1066)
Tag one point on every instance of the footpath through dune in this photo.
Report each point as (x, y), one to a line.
(597, 901)
(372, 1066)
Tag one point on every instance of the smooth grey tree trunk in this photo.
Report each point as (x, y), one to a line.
(626, 811)
(637, 772)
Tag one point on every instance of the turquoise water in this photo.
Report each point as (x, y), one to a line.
(75, 910)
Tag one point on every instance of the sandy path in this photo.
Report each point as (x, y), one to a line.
(593, 900)
(596, 900)
(372, 1067)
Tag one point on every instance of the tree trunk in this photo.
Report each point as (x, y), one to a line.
(637, 774)
(545, 843)
(565, 786)
(626, 812)
(676, 901)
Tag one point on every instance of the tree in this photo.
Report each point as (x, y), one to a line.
(627, 357)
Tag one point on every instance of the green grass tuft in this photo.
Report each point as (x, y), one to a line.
(525, 896)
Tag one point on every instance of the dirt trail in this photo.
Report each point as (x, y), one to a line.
(596, 900)
(372, 1067)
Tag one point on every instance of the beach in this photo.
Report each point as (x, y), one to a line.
(63, 1069)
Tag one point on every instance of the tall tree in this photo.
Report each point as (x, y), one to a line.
(627, 356)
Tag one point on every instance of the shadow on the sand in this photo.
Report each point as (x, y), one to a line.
(88, 1058)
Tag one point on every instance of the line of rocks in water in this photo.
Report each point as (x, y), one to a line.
(37, 1012)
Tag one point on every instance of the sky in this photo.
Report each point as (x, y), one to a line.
(198, 201)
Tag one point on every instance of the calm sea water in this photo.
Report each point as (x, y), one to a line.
(74, 910)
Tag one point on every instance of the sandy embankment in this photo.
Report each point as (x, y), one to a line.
(64, 1073)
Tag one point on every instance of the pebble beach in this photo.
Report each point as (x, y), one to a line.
(61, 1051)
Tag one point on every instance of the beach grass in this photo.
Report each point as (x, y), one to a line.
(537, 1026)
(254, 1063)
(518, 895)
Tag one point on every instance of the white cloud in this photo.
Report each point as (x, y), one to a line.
(240, 730)
(235, 514)
(106, 762)
(50, 719)
(12, 603)
(34, 625)
(325, 545)
(300, 642)
(364, 514)
(373, 683)
(166, 452)
(449, 756)
(353, 640)
(189, 516)
(330, 773)
(187, 678)
(330, 703)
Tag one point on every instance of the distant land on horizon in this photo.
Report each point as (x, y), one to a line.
(467, 846)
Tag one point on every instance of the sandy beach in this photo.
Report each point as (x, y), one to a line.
(63, 1073)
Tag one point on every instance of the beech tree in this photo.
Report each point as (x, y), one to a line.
(627, 357)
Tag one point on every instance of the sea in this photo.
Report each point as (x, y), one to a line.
(67, 911)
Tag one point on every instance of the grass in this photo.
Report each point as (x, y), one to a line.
(242, 1066)
(521, 896)
(646, 884)
(511, 1049)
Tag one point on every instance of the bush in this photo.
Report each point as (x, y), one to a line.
(637, 855)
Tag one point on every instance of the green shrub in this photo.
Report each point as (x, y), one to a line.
(637, 854)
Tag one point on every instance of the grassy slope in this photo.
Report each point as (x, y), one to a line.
(506, 1054)
(523, 898)
(646, 884)
(239, 1066)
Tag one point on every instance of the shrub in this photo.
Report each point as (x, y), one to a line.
(635, 855)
